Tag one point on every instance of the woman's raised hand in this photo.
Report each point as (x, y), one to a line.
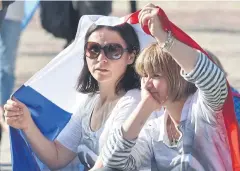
(17, 114)
(149, 16)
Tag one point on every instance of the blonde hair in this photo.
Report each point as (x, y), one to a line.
(154, 61)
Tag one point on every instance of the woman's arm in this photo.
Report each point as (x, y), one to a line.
(123, 150)
(211, 83)
(134, 124)
(126, 110)
(63, 150)
(196, 67)
(184, 55)
(98, 164)
(53, 154)
(126, 155)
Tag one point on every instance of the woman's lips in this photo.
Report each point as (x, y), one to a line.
(101, 70)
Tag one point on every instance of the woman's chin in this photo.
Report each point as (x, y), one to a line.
(100, 77)
(161, 100)
(156, 97)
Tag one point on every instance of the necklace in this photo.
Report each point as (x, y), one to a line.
(174, 140)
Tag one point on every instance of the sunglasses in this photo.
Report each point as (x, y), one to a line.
(113, 51)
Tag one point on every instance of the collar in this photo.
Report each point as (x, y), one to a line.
(184, 115)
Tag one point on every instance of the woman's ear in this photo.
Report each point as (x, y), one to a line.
(131, 59)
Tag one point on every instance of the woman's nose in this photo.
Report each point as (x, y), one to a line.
(102, 57)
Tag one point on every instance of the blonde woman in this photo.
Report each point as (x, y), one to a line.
(191, 134)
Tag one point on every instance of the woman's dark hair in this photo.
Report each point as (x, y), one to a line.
(87, 84)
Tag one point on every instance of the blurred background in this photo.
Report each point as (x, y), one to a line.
(215, 25)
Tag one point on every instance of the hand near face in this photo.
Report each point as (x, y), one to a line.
(149, 16)
(146, 96)
(17, 114)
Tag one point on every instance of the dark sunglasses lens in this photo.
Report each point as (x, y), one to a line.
(113, 51)
(93, 50)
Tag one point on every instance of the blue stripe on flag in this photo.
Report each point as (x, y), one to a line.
(49, 118)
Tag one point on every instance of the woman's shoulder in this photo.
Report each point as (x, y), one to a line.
(80, 97)
(128, 101)
(84, 101)
(133, 95)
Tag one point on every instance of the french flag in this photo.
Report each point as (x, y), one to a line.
(50, 94)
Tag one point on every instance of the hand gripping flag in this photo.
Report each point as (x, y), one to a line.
(50, 94)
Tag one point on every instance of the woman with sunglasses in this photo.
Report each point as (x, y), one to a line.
(112, 92)
(191, 134)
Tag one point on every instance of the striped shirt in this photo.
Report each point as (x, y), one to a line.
(203, 144)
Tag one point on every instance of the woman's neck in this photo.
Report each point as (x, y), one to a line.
(174, 109)
(107, 93)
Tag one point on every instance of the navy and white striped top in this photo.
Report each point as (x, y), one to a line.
(203, 145)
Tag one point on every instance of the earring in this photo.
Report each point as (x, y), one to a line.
(131, 57)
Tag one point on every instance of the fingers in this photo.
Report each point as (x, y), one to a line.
(11, 107)
(20, 104)
(146, 13)
(144, 16)
(150, 5)
(12, 118)
(143, 83)
(11, 121)
(14, 105)
(13, 113)
(146, 83)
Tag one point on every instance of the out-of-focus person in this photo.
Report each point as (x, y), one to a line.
(3, 9)
(60, 18)
(9, 39)
(133, 5)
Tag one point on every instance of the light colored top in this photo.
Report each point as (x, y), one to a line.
(77, 135)
(15, 11)
(203, 145)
